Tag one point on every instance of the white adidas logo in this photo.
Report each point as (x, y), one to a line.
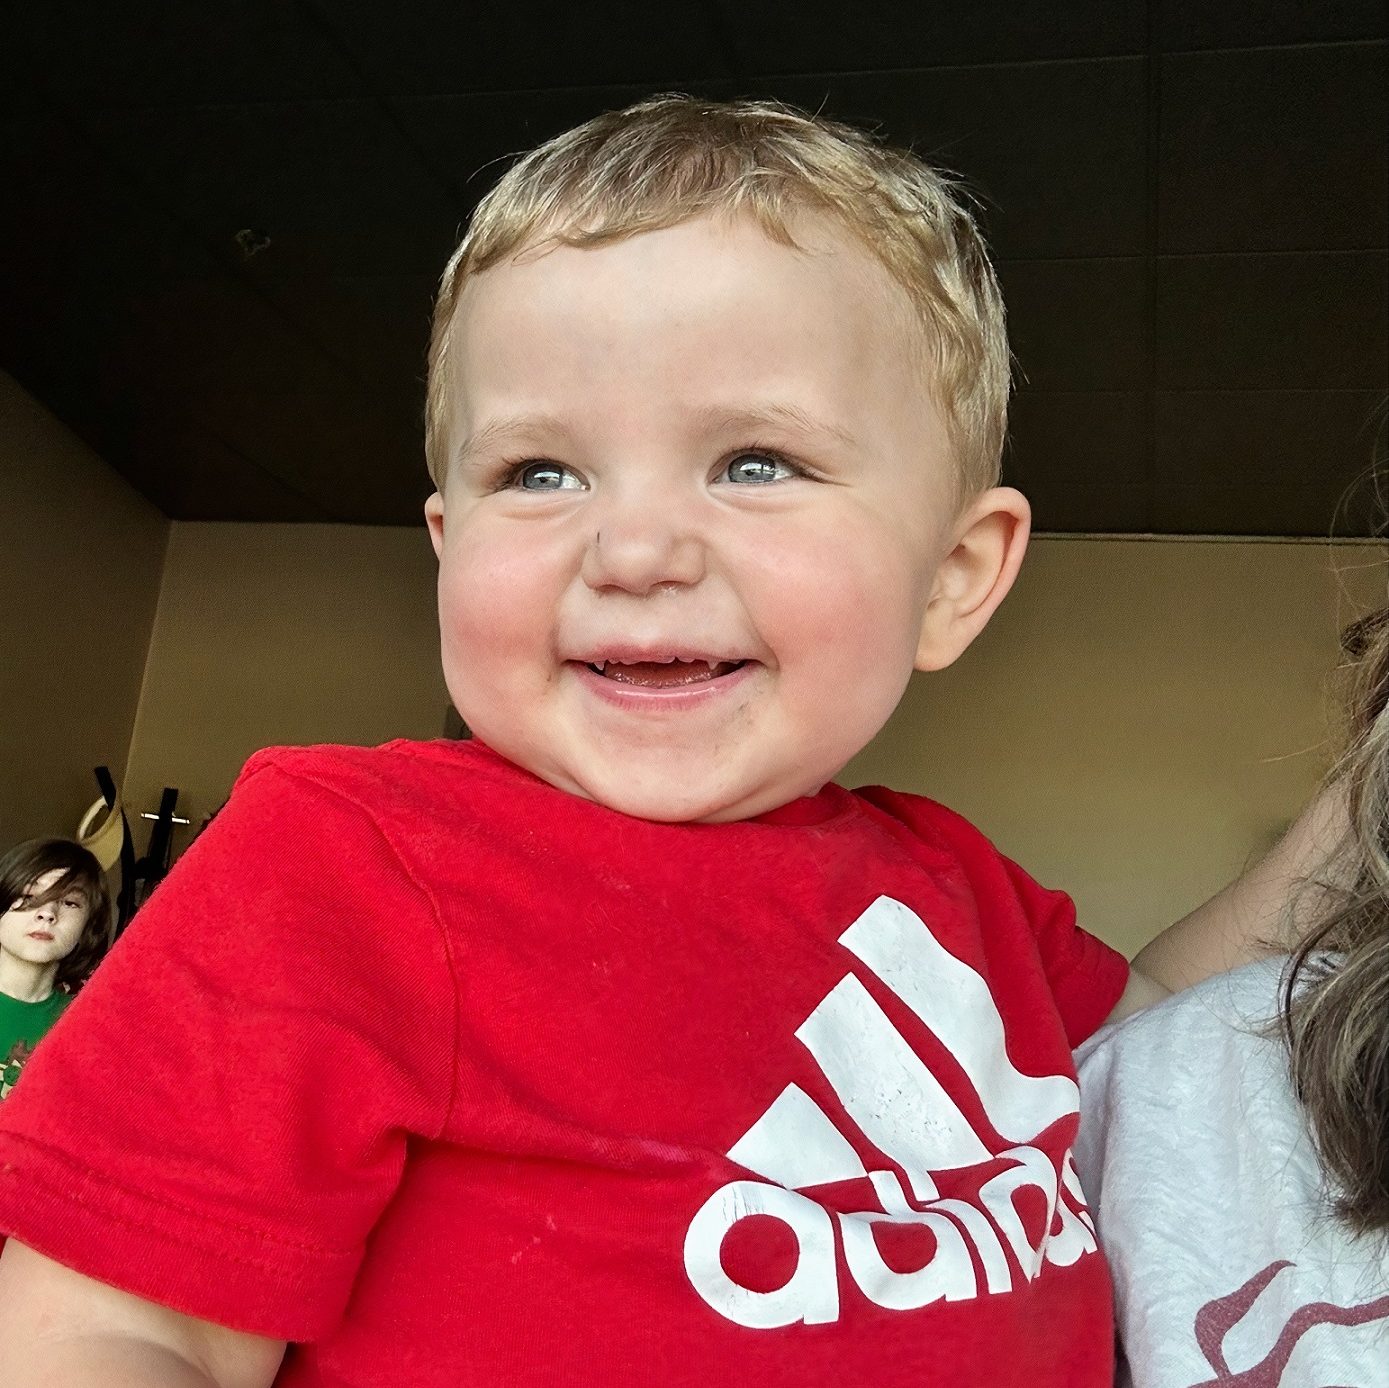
(902, 1110)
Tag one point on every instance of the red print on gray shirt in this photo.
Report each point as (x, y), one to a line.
(1217, 1318)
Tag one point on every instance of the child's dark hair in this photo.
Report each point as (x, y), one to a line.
(1335, 997)
(25, 863)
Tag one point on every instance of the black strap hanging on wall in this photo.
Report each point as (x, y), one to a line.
(150, 870)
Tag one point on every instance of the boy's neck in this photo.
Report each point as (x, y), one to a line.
(26, 982)
(805, 809)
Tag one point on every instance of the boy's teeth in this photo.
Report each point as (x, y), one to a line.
(663, 672)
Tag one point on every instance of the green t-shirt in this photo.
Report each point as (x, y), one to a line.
(22, 1026)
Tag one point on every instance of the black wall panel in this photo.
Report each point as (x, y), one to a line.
(1188, 203)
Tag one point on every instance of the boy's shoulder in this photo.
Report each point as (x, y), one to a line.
(951, 838)
(401, 774)
(927, 820)
(401, 756)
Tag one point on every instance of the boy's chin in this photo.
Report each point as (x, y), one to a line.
(667, 782)
(679, 800)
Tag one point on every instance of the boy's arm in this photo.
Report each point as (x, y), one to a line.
(59, 1327)
(1261, 912)
(1139, 992)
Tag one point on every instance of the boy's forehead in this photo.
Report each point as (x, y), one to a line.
(820, 298)
(821, 244)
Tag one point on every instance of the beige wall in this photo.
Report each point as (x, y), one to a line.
(79, 577)
(1140, 717)
(283, 634)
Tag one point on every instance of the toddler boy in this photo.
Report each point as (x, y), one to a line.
(619, 1044)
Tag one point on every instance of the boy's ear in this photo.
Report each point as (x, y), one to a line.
(434, 519)
(990, 539)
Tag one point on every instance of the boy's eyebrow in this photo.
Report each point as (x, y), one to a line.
(772, 414)
(719, 419)
(524, 426)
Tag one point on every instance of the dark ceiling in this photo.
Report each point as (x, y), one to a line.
(222, 224)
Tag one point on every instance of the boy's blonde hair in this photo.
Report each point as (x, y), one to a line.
(672, 158)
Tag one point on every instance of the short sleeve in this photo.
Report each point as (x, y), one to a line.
(222, 1115)
(1087, 976)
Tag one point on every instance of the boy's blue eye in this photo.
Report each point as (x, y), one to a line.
(545, 477)
(757, 468)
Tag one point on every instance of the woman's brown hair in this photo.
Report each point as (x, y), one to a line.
(1335, 993)
(25, 863)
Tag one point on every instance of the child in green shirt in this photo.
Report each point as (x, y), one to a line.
(52, 933)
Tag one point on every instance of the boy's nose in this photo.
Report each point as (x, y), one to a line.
(47, 912)
(639, 549)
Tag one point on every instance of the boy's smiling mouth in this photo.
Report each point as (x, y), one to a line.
(675, 673)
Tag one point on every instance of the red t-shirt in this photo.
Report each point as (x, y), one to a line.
(459, 1079)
